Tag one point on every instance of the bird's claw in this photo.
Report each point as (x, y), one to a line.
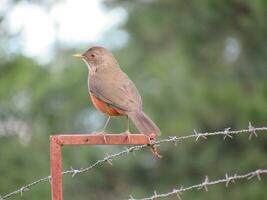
(128, 136)
(104, 136)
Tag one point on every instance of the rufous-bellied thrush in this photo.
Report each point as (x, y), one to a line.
(113, 93)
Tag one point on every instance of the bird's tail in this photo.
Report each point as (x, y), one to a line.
(143, 123)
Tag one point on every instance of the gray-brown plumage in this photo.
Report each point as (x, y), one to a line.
(113, 92)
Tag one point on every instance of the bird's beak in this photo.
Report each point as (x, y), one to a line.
(78, 55)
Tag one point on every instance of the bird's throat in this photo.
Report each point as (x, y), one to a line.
(91, 68)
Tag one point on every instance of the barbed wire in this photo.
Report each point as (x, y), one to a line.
(227, 133)
(204, 185)
(74, 172)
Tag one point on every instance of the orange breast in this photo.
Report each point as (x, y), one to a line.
(105, 108)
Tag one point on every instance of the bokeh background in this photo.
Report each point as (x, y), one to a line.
(197, 64)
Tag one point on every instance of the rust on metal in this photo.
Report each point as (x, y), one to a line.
(57, 141)
(98, 139)
(56, 168)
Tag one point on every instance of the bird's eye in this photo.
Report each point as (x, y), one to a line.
(92, 55)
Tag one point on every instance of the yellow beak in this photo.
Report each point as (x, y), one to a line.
(78, 55)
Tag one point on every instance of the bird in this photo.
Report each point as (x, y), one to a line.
(113, 92)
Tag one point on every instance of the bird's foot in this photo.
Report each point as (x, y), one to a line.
(103, 133)
(127, 134)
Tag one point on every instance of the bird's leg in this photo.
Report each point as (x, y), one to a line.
(105, 126)
(127, 132)
(127, 124)
(102, 132)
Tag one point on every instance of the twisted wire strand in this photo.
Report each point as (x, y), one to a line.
(204, 185)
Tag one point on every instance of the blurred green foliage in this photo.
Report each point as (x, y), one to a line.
(197, 64)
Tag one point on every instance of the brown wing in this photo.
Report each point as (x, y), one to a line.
(115, 89)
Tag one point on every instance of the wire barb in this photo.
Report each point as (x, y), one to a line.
(178, 193)
(252, 131)
(175, 139)
(227, 134)
(127, 150)
(256, 173)
(109, 161)
(155, 195)
(200, 135)
(23, 189)
(131, 197)
(204, 184)
(228, 180)
(75, 172)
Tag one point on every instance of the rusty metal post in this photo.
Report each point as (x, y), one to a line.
(56, 176)
(57, 141)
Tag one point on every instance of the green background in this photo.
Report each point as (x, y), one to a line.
(197, 64)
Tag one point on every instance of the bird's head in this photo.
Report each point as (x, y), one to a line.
(97, 57)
